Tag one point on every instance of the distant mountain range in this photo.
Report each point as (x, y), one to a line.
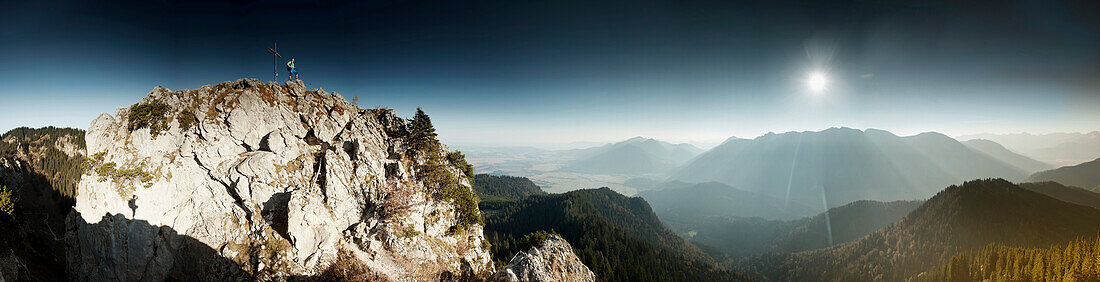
(1059, 149)
(637, 155)
(842, 165)
(1085, 175)
(1002, 154)
(626, 167)
(958, 219)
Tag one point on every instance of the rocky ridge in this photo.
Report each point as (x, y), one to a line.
(553, 260)
(250, 180)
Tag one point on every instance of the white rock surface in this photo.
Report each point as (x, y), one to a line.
(554, 260)
(272, 181)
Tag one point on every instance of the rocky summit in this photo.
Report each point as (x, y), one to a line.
(247, 180)
(553, 260)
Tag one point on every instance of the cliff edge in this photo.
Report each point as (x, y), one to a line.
(249, 180)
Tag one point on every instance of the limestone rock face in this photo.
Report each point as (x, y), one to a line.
(252, 180)
(554, 260)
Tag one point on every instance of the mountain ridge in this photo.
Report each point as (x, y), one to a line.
(1084, 175)
(847, 164)
(1058, 149)
(1001, 153)
(677, 201)
(959, 218)
(637, 155)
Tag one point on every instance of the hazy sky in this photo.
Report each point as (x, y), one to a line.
(538, 72)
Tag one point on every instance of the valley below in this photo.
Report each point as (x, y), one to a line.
(247, 180)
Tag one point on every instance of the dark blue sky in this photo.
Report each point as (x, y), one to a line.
(535, 72)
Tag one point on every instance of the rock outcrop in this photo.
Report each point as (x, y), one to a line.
(250, 180)
(553, 260)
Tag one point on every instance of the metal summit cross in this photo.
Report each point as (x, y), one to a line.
(276, 59)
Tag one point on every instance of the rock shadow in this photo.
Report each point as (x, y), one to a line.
(121, 249)
(31, 240)
(275, 212)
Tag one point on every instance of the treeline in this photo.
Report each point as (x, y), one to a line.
(51, 168)
(503, 186)
(610, 251)
(1077, 261)
(39, 193)
(959, 219)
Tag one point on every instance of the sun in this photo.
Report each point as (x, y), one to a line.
(817, 82)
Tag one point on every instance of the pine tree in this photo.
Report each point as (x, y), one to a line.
(7, 201)
(422, 136)
(1037, 268)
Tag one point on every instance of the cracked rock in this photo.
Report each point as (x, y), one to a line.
(243, 194)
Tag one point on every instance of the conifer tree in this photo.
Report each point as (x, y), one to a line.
(422, 136)
(7, 201)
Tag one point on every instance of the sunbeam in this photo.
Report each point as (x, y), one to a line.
(828, 224)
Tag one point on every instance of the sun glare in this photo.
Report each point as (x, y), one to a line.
(817, 82)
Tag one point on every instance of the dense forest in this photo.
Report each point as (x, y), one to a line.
(741, 237)
(43, 149)
(1077, 261)
(1065, 193)
(958, 219)
(39, 172)
(506, 187)
(617, 237)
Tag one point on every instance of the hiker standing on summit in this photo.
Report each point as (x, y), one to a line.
(293, 71)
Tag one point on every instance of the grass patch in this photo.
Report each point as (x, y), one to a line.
(347, 268)
(408, 232)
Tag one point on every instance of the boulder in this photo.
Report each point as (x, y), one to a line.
(553, 260)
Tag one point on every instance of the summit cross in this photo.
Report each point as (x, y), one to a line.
(275, 59)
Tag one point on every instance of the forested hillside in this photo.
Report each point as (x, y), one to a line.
(55, 153)
(681, 204)
(505, 187)
(958, 219)
(618, 238)
(39, 170)
(741, 237)
(1065, 193)
(844, 224)
(1076, 261)
(1084, 175)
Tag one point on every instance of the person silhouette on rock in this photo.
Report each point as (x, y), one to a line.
(133, 206)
